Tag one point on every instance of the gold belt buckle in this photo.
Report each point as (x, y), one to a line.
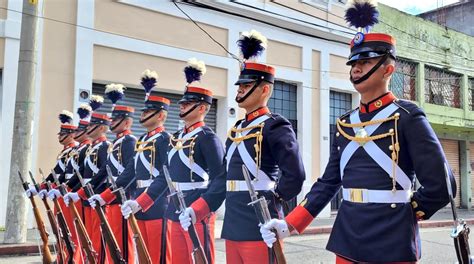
(356, 195)
(232, 186)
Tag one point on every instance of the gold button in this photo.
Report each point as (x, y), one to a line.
(397, 114)
(391, 130)
(343, 120)
(378, 103)
(420, 214)
(414, 204)
(390, 147)
(337, 134)
(393, 205)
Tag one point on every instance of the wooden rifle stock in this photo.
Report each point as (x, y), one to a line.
(52, 219)
(142, 251)
(260, 207)
(109, 237)
(47, 256)
(84, 238)
(65, 232)
(198, 255)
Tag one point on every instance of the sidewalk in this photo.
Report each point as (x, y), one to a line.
(442, 218)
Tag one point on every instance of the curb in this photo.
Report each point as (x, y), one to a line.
(422, 224)
(21, 249)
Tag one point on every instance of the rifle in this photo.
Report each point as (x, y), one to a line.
(177, 197)
(47, 257)
(109, 237)
(460, 232)
(142, 251)
(52, 219)
(263, 214)
(65, 232)
(86, 242)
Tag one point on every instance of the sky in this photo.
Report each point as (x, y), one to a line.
(416, 7)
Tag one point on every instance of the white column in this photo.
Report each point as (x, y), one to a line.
(324, 146)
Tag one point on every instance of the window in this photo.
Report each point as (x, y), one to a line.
(283, 102)
(339, 103)
(470, 86)
(442, 87)
(403, 82)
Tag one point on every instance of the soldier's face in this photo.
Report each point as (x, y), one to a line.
(361, 67)
(253, 99)
(185, 107)
(148, 120)
(65, 138)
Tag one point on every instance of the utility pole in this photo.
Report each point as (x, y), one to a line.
(23, 124)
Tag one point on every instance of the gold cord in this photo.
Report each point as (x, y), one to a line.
(392, 133)
(179, 144)
(142, 146)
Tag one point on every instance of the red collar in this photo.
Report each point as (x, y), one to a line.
(85, 142)
(123, 133)
(73, 144)
(156, 131)
(194, 126)
(99, 140)
(259, 112)
(377, 103)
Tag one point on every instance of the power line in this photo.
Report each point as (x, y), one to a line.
(210, 36)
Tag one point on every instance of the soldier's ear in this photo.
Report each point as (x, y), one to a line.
(389, 69)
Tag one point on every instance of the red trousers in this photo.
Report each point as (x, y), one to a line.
(122, 233)
(152, 234)
(248, 252)
(92, 223)
(75, 240)
(182, 246)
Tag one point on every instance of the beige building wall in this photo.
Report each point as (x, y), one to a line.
(316, 109)
(126, 67)
(3, 10)
(284, 55)
(57, 76)
(2, 52)
(337, 17)
(338, 68)
(156, 27)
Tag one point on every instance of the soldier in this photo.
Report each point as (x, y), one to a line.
(76, 162)
(150, 156)
(266, 144)
(196, 167)
(66, 138)
(377, 150)
(120, 153)
(96, 156)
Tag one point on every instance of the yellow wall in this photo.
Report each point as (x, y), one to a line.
(57, 76)
(284, 55)
(3, 10)
(316, 59)
(338, 68)
(114, 65)
(2, 52)
(336, 16)
(157, 27)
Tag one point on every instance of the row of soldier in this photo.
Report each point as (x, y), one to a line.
(377, 150)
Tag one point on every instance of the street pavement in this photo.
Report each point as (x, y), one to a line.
(437, 247)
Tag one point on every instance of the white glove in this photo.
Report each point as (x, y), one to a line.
(186, 217)
(280, 226)
(96, 198)
(31, 191)
(43, 193)
(53, 194)
(70, 196)
(130, 207)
